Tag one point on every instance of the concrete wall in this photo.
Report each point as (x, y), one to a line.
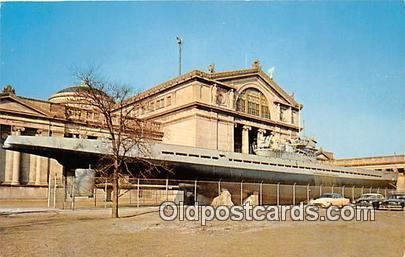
(181, 131)
(23, 192)
(395, 163)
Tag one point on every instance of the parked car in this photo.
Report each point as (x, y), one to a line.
(330, 199)
(370, 199)
(394, 201)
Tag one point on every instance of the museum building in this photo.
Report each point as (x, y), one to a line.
(227, 111)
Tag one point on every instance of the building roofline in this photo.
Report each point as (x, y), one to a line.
(232, 73)
(22, 101)
(372, 157)
(216, 78)
(33, 99)
(256, 71)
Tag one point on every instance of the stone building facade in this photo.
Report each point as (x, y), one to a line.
(228, 111)
(24, 116)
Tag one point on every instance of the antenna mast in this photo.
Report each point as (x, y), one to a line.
(180, 43)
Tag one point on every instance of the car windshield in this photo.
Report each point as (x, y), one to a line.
(371, 196)
(330, 195)
(397, 196)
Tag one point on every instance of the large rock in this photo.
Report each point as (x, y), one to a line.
(252, 200)
(224, 199)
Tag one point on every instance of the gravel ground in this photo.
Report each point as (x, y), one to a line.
(140, 232)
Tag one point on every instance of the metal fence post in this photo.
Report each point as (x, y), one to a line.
(343, 191)
(54, 192)
(64, 191)
(332, 188)
(353, 193)
(156, 196)
(167, 189)
(362, 190)
(95, 196)
(49, 190)
(105, 193)
(137, 194)
(278, 193)
(385, 192)
(320, 189)
(294, 194)
(219, 187)
(308, 193)
(195, 192)
(370, 189)
(261, 193)
(73, 194)
(241, 192)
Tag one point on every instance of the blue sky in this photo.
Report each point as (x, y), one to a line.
(345, 61)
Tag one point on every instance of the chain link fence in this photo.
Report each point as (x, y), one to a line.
(69, 192)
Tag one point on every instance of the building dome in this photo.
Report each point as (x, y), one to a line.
(66, 96)
(69, 95)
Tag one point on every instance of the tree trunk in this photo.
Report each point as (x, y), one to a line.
(115, 192)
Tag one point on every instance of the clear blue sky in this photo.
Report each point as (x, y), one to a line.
(344, 61)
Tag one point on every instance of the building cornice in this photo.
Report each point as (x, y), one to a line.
(197, 104)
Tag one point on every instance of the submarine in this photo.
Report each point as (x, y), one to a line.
(289, 163)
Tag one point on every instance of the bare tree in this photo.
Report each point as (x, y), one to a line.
(118, 120)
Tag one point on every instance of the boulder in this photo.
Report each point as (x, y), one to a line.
(253, 200)
(224, 199)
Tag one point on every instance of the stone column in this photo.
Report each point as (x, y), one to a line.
(38, 163)
(260, 136)
(245, 139)
(15, 180)
(8, 167)
(32, 169)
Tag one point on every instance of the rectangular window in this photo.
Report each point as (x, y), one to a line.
(265, 112)
(157, 104)
(168, 100)
(253, 108)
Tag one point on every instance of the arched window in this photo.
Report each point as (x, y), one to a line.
(252, 101)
